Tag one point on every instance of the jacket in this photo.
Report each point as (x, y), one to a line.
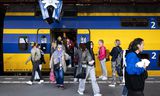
(35, 55)
(134, 76)
(54, 58)
(102, 53)
(114, 52)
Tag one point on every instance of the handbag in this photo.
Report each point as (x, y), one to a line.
(81, 72)
(57, 66)
(52, 77)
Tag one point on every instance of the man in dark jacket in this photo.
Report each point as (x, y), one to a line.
(114, 53)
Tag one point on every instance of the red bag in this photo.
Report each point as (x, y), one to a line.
(52, 77)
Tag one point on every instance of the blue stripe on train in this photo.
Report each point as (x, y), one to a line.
(85, 22)
(10, 42)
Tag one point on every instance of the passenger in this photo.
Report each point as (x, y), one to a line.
(84, 57)
(70, 51)
(35, 58)
(114, 53)
(58, 65)
(125, 91)
(102, 58)
(75, 61)
(136, 69)
(42, 61)
(53, 47)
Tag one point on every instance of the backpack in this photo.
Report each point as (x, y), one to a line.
(119, 63)
(107, 55)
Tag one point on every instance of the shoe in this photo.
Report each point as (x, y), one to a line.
(69, 66)
(104, 78)
(29, 83)
(100, 77)
(41, 81)
(112, 85)
(75, 80)
(98, 95)
(81, 93)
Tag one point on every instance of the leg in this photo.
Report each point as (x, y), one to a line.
(33, 70)
(57, 76)
(95, 86)
(125, 91)
(103, 66)
(39, 72)
(81, 87)
(114, 72)
(61, 76)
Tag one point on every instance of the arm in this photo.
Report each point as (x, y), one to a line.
(51, 62)
(131, 60)
(28, 59)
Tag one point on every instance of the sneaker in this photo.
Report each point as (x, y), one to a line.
(75, 80)
(112, 85)
(29, 83)
(100, 77)
(104, 78)
(41, 81)
(98, 95)
(81, 93)
(69, 66)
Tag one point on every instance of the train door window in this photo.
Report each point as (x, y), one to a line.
(43, 43)
(23, 43)
(145, 56)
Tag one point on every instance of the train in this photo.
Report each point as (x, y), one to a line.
(20, 31)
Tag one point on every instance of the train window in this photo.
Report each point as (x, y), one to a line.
(145, 56)
(23, 43)
(134, 22)
(159, 60)
(43, 43)
(158, 21)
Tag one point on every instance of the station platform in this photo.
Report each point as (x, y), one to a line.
(15, 86)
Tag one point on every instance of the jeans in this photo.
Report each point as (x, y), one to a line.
(114, 73)
(135, 93)
(59, 74)
(125, 91)
(36, 74)
(35, 68)
(103, 67)
(91, 73)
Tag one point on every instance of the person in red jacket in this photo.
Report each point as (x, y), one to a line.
(102, 59)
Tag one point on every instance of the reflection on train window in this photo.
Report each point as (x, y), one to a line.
(43, 43)
(134, 22)
(158, 21)
(159, 60)
(23, 43)
(145, 56)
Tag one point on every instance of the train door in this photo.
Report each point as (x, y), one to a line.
(2, 15)
(67, 37)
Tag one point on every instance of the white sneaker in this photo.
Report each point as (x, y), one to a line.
(75, 80)
(69, 66)
(29, 83)
(41, 81)
(98, 95)
(81, 93)
(111, 85)
(100, 77)
(104, 78)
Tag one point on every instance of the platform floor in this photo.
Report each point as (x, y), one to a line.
(15, 86)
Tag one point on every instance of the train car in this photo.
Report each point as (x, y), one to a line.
(19, 31)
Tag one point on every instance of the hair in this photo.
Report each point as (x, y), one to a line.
(82, 46)
(101, 41)
(133, 45)
(34, 44)
(117, 42)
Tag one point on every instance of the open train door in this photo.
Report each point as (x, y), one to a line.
(2, 15)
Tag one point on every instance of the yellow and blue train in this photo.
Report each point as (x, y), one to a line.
(19, 31)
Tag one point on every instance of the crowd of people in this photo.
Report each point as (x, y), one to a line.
(127, 64)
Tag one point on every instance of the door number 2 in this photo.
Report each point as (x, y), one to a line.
(154, 55)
